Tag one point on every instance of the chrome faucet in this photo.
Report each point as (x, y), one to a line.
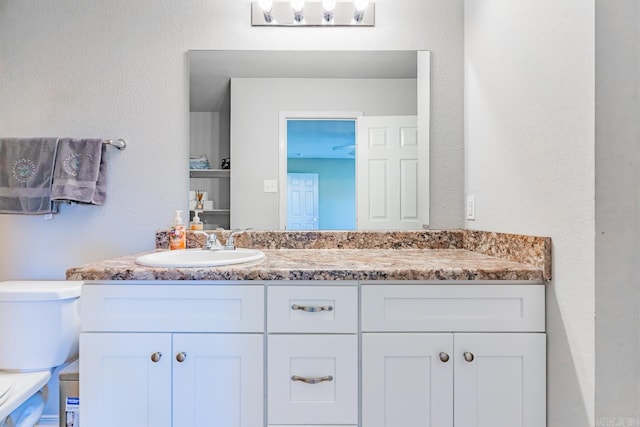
(213, 244)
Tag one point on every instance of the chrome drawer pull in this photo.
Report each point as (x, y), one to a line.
(312, 380)
(312, 308)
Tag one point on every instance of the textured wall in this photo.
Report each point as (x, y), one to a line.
(617, 207)
(118, 69)
(529, 146)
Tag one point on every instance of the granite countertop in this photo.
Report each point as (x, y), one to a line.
(445, 256)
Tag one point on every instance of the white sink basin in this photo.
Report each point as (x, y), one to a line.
(199, 258)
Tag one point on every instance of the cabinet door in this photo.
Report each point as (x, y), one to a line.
(500, 380)
(407, 380)
(126, 379)
(218, 380)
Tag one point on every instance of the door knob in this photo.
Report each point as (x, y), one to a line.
(180, 357)
(155, 357)
(444, 356)
(468, 356)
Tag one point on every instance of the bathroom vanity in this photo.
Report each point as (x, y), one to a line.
(439, 336)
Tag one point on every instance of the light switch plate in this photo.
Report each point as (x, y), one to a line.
(270, 186)
(471, 208)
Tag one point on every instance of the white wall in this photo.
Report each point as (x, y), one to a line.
(617, 207)
(255, 107)
(529, 145)
(118, 69)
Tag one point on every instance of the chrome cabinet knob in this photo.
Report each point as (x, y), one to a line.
(155, 357)
(444, 356)
(468, 356)
(181, 357)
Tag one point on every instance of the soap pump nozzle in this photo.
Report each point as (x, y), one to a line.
(178, 219)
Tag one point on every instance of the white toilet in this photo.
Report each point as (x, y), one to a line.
(39, 330)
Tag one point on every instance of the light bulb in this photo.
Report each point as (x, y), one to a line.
(360, 6)
(265, 5)
(297, 5)
(328, 5)
(328, 14)
(298, 14)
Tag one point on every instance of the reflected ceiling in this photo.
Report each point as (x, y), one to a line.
(211, 70)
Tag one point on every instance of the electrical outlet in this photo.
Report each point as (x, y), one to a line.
(471, 208)
(270, 186)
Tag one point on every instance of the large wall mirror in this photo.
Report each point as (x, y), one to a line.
(328, 140)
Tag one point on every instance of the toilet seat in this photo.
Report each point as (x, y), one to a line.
(20, 386)
(6, 384)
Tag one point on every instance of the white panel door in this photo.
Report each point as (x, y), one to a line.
(388, 169)
(302, 200)
(218, 380)
(500, 380)
(126, 379)
(407, 380)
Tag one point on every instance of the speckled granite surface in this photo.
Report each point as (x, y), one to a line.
(428, 239)
(328, 264)
(531, 250)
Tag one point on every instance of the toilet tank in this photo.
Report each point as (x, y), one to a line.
(39, 324)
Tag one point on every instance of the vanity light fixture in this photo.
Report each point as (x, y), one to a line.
(320, 13)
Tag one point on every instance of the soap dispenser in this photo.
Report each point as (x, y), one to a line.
(178, 233)
(196, 223)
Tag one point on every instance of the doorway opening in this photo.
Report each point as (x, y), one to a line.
(319, 173)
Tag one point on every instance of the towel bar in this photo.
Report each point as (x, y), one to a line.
(120, 144)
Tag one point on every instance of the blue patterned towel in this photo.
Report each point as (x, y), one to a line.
(80, 172)
(26, 167)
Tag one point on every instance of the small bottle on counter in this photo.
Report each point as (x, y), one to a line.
(178, 233)
(196, 223)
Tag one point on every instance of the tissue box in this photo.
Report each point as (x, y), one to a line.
(200, 162)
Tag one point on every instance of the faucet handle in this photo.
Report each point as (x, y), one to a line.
(230, 243)
(213, 243)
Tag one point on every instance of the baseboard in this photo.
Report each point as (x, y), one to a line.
(49, 421)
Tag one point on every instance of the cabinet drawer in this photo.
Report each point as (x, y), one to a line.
(323, 309)
(432, 308)
(330, 360)
(179, 308)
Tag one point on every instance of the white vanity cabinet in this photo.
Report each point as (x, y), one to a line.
(453, 355)
(172, 355)
(312, 355)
